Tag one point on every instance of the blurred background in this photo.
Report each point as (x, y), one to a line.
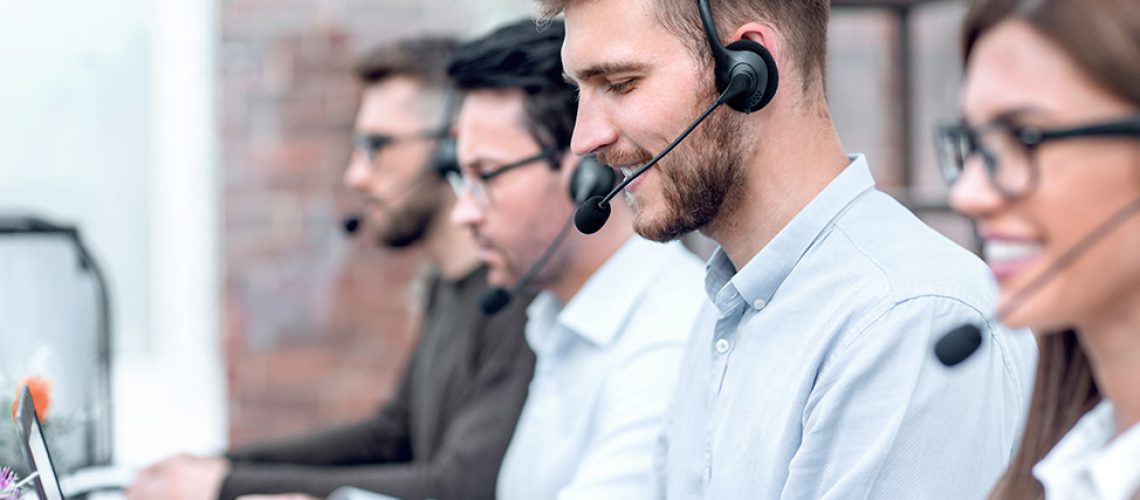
(196, 148)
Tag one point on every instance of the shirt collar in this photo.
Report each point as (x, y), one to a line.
(1089, 452)
(600, 308)
(758, 281)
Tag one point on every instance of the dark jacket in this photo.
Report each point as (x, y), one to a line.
(445, 430)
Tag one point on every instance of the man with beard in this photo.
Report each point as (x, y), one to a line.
(811, 375)
(609, 324)
(445, 430)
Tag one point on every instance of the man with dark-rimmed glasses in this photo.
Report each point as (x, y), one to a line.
(610, 321)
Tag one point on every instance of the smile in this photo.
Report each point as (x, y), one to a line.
(626, 172)
(1007, 257)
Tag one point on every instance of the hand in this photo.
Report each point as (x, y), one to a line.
(180, 477)
(291, 496)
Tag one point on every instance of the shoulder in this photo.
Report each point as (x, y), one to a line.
(880, 245)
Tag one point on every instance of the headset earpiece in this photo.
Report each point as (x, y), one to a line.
(591, 178)
(744, 65)
(446, 158)
(753, 56)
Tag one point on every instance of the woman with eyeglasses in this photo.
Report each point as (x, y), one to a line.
(1047, 161)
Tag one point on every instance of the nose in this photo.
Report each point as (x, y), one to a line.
(359, 172)
(593, 129)
(466, 212)
(973, 195)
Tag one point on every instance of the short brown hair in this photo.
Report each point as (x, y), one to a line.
(424, 59)
(802, 23)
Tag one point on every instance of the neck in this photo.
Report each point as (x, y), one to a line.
(785, 170)
(585, 254)
(449, 247)
(1112, 343)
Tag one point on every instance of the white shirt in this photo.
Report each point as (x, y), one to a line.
(1089, 464)
(606, 366)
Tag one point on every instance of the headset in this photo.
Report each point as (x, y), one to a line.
(591, 178)
(746, 78)
(743, 61)
(445, 158)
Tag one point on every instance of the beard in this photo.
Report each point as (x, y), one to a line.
(697, 178)
(406, 224)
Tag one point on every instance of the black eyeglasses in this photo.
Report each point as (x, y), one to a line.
(1008, 150)
(371, 144)
(479, 184)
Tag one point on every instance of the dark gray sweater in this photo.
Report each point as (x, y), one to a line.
(445, 430)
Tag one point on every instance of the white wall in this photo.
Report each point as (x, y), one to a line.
(108, 123)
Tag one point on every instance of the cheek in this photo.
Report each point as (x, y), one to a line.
(1081, 188)
(526, 209)
(1083, 185)
(654, 115)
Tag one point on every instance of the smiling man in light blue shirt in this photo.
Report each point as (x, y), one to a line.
(811, 373)
(609, 326)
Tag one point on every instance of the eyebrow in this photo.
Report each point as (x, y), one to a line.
(602, 69)
(1014, 115)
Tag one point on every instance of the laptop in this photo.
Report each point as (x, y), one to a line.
(45, 480)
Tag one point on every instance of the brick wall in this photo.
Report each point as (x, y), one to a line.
(317, 328)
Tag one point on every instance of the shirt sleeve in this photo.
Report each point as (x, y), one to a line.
(619, 462)
(885, 420)
(465, 465)
(382, 438)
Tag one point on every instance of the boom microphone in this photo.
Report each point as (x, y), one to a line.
(593, 214)
(962, 342)
(495, 299)
(352, 222)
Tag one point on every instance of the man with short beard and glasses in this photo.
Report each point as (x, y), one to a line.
(445, 430)
(811, 374)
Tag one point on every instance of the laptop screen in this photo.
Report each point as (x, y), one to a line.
(36, 450)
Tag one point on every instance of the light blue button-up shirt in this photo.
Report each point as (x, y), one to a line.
(812, 376)
(606, 367)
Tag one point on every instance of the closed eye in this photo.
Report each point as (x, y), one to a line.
(621, 87)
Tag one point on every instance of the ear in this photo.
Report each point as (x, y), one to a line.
(762, 34)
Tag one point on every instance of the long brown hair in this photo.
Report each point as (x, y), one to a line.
(1103, 38)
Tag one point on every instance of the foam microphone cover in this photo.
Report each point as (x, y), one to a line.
(956, 346)
(351, 224)
(494, 300)
(592, 215)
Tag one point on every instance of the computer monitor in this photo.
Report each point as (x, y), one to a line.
(36, 451)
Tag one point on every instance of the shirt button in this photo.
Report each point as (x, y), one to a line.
(759, 304)
(722, 346)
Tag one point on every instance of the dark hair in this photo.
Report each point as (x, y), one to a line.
(802, 23)
(1103, 38)
(424, 59)
(523, 56)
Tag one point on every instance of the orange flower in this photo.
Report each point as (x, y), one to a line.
(41, 394)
